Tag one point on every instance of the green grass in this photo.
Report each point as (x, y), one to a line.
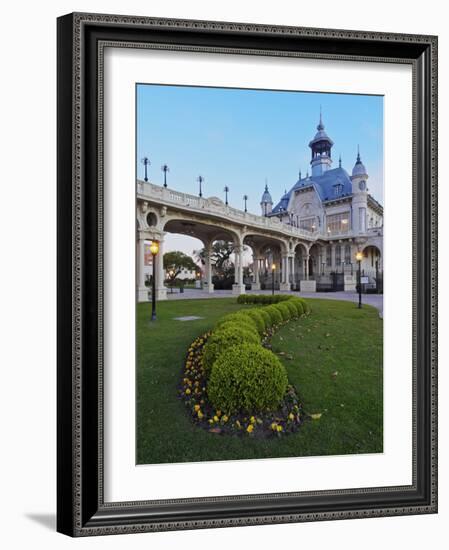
(336, 367)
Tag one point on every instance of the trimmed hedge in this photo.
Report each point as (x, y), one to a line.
(275, 314)
(263, 298)
(285, 312)
(247, 378)
(241, 326)
(224, 338)
(257, 317)
(298, 305)
(239, 317)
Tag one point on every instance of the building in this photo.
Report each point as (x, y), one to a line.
(308, 241)
(337, 207)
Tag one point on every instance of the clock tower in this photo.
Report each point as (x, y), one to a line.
(359, 196)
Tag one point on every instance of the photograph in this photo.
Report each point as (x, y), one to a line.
(259, 273)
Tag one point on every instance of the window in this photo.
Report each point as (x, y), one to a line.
(338, 189)
(338, 223)
(338, 255)
(347, 254)
(329, 255)
(362, 220)
(309, 224)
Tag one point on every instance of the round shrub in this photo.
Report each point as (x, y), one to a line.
(240, 317)
(247, 378)
(298, 305)
(275, 314)
(257, 318)
(223, 339)
(305, 305)
(242, 299)
(266, 317)
(292, 308)
(283, 309)
(240, 326)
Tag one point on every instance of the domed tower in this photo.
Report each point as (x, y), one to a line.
(321, 146)
(266, 202)
(359, 196)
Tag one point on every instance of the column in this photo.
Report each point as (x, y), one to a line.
(238, 287)
(306, 285)
(256, 265)
(161, 290)
(209, 287)
(285, 285)
(142, 290)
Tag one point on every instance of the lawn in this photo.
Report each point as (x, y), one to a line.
(333, 358)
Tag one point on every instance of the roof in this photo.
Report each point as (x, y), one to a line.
(266, 197)
(324, 186)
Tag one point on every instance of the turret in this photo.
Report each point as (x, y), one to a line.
(321, 146)
(359, 196)
(266, 202)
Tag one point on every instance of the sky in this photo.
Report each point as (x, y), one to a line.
(242, 138)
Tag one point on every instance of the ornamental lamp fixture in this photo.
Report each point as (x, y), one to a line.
(359, 256)
(154, 247)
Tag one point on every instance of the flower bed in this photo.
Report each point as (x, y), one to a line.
(235, 385)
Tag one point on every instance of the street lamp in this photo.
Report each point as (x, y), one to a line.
(359, 257)
(273, 269)
(226, 190)
(245, 198)
(200, 180)
(165, 169)
(154, 249)
(172, 280)
(146, 162)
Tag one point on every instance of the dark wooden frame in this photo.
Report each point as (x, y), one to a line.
(81, 510)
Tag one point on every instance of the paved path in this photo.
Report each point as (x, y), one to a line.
(375, 300)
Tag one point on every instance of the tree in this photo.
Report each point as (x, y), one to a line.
(221, 253)
(176, 261)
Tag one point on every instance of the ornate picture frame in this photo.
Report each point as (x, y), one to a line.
(81, 507)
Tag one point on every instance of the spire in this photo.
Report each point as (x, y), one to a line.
(339, 161)
(359, 169)
(300, 173)
(320, 124)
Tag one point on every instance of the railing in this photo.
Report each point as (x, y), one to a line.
(215, 206)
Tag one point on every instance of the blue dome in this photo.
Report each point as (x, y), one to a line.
(266, 197)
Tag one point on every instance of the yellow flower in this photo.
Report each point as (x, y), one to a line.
(216, 418)
(274, 426)
(197, 408)
(252, 420)
(250, 428)
(238, 424)
(279, 428)
(188, 392)
(219, 413)
(200, 415)
(291, 416)
(211, 421)
(224, 418)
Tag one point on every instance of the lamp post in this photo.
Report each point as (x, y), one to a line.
(273, 269)
(154, 249)
(226, 190)
(146, 162)
(245, 198)
(200, 180)
(172, 280)
(359, 257)
(165, 169)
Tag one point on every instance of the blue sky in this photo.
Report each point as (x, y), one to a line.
(239, 138)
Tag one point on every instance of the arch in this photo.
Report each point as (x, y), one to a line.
(314, 260)
(372, 257)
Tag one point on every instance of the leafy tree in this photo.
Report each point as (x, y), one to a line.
(176, 261)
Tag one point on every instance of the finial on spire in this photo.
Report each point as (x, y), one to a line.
(266, 185)
(320, 125)
(358, 153)
(300, 173)
(339, 161)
